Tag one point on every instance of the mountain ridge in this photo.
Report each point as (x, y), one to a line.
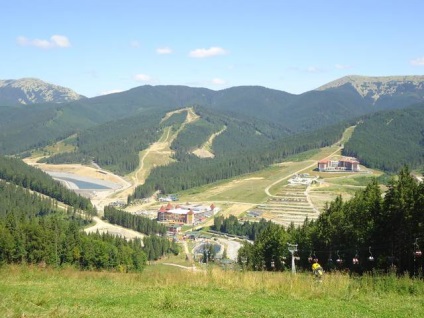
(33, 90)
(377, 86)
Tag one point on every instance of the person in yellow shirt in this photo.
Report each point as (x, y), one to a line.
(317, 269)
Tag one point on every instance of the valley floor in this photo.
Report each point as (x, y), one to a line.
(265, 194)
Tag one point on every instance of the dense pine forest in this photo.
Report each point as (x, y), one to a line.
(36, 228)
(33, 230)
(382, 231)
(17, 172)
(115, 145)
(388, 140)
(132, 221)
(231, 225)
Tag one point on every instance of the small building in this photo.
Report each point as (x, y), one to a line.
(174, 229)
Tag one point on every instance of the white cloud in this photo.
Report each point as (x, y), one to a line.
(418, 61)
(142, 78)
(212, 51)
(163, 50)
(313, 69)
(60, 41)
(55, 41)
(342, 67)
(218, 81)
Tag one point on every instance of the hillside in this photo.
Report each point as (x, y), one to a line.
(388, 140)
(251, 115)
(380, 89)
(32, 90)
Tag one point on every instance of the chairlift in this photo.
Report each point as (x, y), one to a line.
(355, 260)
(310, 258)
(417, 251)
(330, 260)
(339, 261)
(370, 258)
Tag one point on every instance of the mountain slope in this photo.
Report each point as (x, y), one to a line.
(22, 128)
(378, 88)
(390, 139)
(32, 90)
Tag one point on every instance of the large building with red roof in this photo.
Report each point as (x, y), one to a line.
(344, 164)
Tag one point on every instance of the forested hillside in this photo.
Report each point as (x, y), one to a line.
(388, 140)
(252, 126)
(34, 230)
(25, 128)
(191, 171)
(115, 145)
(17, 172)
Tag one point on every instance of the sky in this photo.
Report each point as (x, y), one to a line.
(98, 47)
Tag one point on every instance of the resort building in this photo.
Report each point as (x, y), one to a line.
(185, 214)
(345, 164)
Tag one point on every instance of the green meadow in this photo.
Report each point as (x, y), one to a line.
(168, 291)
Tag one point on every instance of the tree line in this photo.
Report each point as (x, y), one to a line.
(135, 222)
(19, 173)
(33, 230)
(232, 225)
(382, 231)
(155, 243)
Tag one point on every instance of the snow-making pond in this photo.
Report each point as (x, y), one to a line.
(83, 183)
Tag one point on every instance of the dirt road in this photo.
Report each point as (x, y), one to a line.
(104, 227)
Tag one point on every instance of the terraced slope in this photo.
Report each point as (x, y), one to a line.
(289, 205)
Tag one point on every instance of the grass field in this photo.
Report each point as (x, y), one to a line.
(165, 291)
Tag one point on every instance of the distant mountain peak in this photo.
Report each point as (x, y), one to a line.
(377, 86)
(33, 90)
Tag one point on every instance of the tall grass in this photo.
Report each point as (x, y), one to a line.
(163, 291)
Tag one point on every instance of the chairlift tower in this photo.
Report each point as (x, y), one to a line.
(292, 249)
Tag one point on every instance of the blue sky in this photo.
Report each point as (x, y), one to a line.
(95, 47)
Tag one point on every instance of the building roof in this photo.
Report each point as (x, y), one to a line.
(349, 160)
